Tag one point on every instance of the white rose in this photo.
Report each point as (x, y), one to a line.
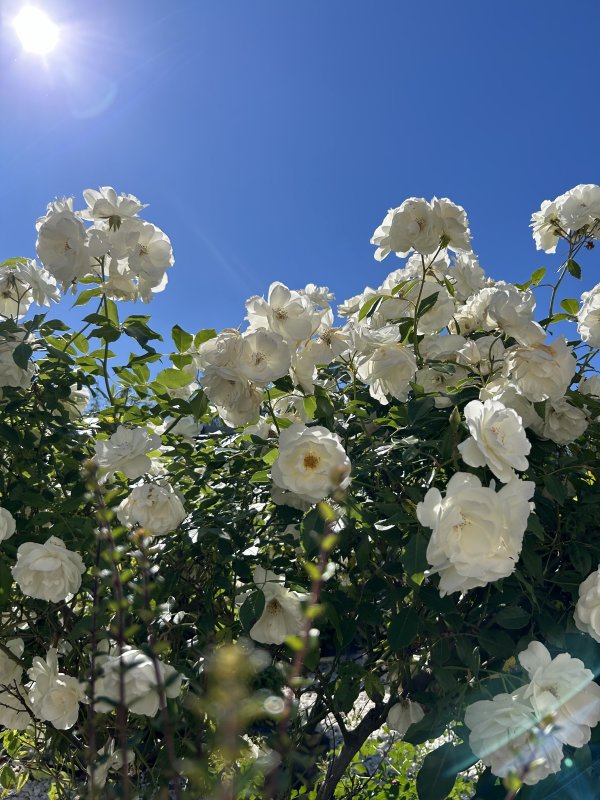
(126, 450)
(389, 370)
(62, 247)
(580, 206)
(282, 498)
(587, 610)
(54, 696)
(562, 688)
(404, 714)
(563, 422)
(14, 715)
(438, 381)
(11, 670)
(106, 204)
(7, 524)
(264, 357)
(413, 225)
(237, 401)
(77, 402)
(590, 386)
(546, 227)
(10, 373)
(477, 532)
(484, 354)
(466, 276)
(311, 462)
(506, 392)
(141, 692)
(497, 439)
(282, 615)
(588, 317)
(541, 371)
(507, 308)
(505, 735)
(110, 759)
(434, 347)
(452, 222)
(289, 313)
(48, 571)
(153, 506)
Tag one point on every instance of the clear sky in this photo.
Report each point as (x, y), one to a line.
(270, 137)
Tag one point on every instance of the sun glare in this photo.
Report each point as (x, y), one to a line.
(37, 32)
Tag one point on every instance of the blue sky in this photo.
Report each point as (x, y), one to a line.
(270, 137)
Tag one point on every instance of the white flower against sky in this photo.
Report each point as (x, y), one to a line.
(541, 371)
(62, 247)
(264, 357)
(221, 355)
(126, 451)
(48, 571)
(477, 532)
(466, 276)
(497, 439)
(42, 285)
(588, 317)
(156, 507)
(484, 354)
(580, 206)
(7, 524)
(311, 462)
(53, 695)
(506, 308)
(587, 610)
(106, 204)
(404, 714)
(452, 222)
(564, 689)
(289, 313)
(15, 296)
(282, 615)
(411, 226)
(141, 691)
(389, 371)
(546, 226)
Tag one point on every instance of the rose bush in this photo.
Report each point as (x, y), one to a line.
(210, 549)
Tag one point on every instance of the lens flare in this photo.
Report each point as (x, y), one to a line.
(37, 32)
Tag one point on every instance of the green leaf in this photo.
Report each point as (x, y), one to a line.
(497, 643)
(112, 312)
(414, 558)
(427, 303)
(537, 276)
(573, 268)
(570, 305)
(437, 774)
(251, 609)
(21, 354)
(270, 457)
(310, 406)
(174, 378)
(86, 295)
(204, 336)
(5, 584)
(369, 307)
(512, 618)
(182, 339)
(403, 629)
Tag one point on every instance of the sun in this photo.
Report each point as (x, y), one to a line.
(37, 32)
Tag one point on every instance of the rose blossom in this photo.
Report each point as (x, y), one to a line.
(48, 571)
(541, 371)
(404, 714)
(126, 450)
(497, 439)
(7, 524)
(141, 692)
(311, 462)
(53, 695)
(477, 532)
(282, 615)
(155, 507)
(587, 610)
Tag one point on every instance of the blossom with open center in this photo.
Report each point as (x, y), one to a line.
(282, 615)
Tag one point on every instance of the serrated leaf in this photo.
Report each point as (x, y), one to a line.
(512, 618)
(86, 295)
